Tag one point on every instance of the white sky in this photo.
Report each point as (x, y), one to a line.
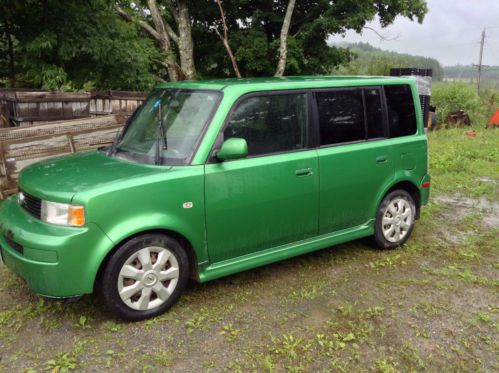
(450, 32)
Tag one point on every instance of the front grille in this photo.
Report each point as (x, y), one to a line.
(31, 204)
(14, 245)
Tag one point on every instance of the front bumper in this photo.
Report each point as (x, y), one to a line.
(55, 261)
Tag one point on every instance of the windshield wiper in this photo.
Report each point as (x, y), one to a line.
(161, 126)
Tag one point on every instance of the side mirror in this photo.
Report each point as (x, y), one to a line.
(233, 148)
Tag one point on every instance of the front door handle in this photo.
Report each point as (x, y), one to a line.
(382, 159)
(304, 172)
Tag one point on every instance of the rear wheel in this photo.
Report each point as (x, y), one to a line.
(144, 277)
(395, 220)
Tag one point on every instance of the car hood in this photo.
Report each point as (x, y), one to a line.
(59, 179)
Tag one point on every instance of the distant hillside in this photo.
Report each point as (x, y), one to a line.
(369, 60)
(468, 72)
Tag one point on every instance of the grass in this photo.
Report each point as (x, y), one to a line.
(465, 165)
(431, 305)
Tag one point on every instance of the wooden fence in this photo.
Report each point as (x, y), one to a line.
(22, 146)
(21, 107)
(115, 102)
(26, 108)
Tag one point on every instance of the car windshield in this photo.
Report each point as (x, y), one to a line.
(173, 139)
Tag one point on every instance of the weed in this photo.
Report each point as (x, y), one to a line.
(197, 321)
(310, 292)
(62, 363)
(385, 366)
(374, 311)
(229, 332)
(111, 326)
(162, 359)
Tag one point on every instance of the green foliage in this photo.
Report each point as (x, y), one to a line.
(255, 25)
(63, 363)
(454, 96)
(368, 60)
(74, 44)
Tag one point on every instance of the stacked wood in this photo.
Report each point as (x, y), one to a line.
(458, 119)
(115, 102)
(22, 146)
(37, 107)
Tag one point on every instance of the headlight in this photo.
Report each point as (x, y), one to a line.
(63, 214)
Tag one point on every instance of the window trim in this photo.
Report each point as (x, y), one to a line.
(384, 115)
(309, 143)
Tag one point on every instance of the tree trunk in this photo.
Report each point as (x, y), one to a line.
(163, 33)
(185, 44)
(164, 40)
(225, 39)
(283, 48)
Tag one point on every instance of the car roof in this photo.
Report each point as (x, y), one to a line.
(288, 82)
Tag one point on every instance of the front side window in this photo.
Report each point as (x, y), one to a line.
(341, 116)
(270, 124)
(401, 111)
(168, 126)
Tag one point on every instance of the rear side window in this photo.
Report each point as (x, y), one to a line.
(350, 115)
(341, 116)
(270, 124)
(401, 111)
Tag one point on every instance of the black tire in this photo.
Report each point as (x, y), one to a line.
(387, 242)
(148, 278)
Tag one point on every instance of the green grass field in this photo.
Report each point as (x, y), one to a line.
(431, 305)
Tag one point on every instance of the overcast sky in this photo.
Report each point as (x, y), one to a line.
(450, 32)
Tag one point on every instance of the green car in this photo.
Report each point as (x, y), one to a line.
(211, 178)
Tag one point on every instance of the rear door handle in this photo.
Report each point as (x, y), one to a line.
(382, 159)
(304, 172)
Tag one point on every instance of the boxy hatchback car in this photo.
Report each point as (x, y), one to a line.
(211, 178)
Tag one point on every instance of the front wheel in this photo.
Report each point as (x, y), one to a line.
(144, 277)
(394, 220)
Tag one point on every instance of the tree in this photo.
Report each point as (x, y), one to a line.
(368, 60)
(75, 44)
(283, 47)
(270, 37)
(225, 39)
(161, 30)
(130, 44)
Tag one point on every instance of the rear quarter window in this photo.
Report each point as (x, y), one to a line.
(401, 110)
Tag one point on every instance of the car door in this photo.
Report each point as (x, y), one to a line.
(269, 198)
(355, 159)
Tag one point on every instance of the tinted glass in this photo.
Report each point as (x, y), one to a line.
(373, 113)
(401, 112)
(341, 116)
(270, 124)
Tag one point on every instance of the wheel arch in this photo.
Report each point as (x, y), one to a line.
(410, 188)
(186, 244)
